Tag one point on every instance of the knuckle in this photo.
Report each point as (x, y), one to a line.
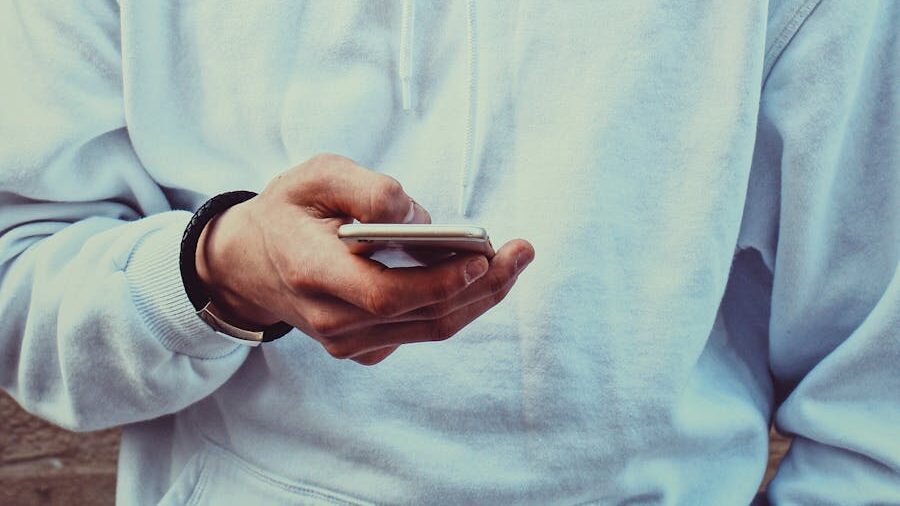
(442, 329)
(368, 360)
(388, 188)
(314, 175)
(496, 283)
(387, 198)
(319, 174)
(324, 324)
(431, 312)
(299, 279)
(326, 159)
(338, 349)
(380, 303)
(442, 289)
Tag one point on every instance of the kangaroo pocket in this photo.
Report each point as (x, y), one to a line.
(217, 477)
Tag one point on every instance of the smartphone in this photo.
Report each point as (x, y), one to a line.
(369, 237)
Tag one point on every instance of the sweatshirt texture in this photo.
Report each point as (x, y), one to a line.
(712, 190)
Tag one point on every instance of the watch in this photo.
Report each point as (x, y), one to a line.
(194, 289)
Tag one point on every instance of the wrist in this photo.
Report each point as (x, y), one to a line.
(220, 260)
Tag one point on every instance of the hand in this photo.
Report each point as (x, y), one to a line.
(276, 257)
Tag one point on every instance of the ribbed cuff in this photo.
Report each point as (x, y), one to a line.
(158, 294)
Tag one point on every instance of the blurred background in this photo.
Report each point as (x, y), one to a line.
(41, 464)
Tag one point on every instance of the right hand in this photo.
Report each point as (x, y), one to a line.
(276, 257)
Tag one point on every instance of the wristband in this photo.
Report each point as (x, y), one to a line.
(194, 289)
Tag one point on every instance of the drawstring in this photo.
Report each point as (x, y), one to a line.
(404, 69)
(468, 156)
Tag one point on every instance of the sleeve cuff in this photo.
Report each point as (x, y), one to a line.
(158, 294)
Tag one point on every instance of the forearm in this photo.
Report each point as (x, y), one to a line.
(98, 330)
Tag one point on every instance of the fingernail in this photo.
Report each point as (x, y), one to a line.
(411, 213)
(475, 269)
(420, 214)
(522, 260)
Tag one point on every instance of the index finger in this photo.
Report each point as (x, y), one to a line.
(338, 186)
(389, 292)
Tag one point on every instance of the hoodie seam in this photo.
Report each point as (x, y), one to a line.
(334, 497)
(786, 36)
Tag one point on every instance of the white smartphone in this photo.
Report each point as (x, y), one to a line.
(367, 237)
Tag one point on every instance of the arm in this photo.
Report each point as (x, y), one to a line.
(824, 210)
(96, 328)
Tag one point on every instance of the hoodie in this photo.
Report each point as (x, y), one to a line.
(712, 189)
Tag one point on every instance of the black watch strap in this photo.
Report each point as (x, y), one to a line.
(192, 286)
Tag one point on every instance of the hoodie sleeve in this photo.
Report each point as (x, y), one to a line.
(96, 329)
(824, 210)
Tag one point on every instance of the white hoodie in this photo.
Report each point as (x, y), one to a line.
(711, 188)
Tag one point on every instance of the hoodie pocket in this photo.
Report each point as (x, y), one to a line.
(217, 477)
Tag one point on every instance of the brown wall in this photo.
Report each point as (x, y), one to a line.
(44, 465)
